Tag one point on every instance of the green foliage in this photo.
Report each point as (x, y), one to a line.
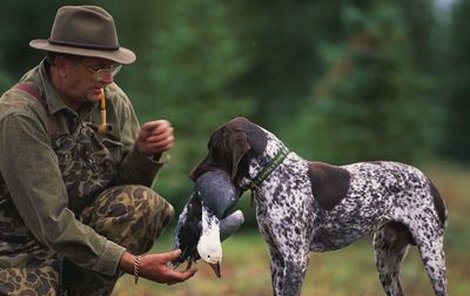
(280, 42)
(457, 142)
(371, 103)
(5, 78)
(195, 60)
(17, 20)
(202, 62)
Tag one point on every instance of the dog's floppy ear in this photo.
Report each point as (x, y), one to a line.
(237, 144)
(241, 137)
(229, 144)
(256, 138)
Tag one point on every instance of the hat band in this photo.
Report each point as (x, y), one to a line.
(85, 45)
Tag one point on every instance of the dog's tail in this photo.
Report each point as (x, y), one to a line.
(439, 204)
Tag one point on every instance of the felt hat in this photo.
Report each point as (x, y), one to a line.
(85, 31)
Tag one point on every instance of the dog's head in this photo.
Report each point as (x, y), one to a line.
(231, 147)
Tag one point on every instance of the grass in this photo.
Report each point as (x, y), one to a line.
(349, 271)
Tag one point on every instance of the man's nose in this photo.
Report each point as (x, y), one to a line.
(107, 78)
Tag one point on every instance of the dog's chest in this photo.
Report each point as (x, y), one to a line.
(286, 195)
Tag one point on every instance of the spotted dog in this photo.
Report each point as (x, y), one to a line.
(304, 206)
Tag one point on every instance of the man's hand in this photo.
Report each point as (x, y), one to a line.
(155, 137)
(157, 267)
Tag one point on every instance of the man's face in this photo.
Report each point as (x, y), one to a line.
(85, 78)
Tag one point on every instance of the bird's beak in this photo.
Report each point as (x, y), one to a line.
(216, 268)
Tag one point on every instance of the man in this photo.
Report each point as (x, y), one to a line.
(76, 206)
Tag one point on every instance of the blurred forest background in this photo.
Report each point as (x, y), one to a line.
(338, 81)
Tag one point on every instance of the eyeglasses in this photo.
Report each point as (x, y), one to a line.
(100, 73)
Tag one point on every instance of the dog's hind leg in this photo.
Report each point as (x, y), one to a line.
(434, 262)
(429, 237)
(431, 251)
(390, 245)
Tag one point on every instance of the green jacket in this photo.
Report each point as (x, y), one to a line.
(31, 182)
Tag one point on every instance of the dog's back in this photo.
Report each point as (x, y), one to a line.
(377, 192)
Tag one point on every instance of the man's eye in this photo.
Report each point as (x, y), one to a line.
(98, 68)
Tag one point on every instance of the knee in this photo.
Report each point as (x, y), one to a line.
(163, 209)
(136, 202)
(130, 215)
(152, 205)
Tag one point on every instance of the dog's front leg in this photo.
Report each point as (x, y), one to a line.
(294, 273)
(288, 265)
(277, 272)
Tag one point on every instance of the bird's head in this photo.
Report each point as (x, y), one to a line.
(209, 246)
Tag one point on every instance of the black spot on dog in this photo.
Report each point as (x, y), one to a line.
(329, 183)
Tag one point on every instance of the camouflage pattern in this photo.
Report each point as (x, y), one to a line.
(130, 215)
(86, 165)
(40, 276)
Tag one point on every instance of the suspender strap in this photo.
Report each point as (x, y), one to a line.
(53, 126)
(29, 89)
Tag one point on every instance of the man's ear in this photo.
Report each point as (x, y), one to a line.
(61, 65)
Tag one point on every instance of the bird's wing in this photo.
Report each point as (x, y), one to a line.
(188, 230)
(230, 224)
(181, 221)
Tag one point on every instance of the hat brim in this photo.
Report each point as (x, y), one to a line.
(121, 55)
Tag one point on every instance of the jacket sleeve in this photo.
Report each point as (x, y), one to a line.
(31, 172)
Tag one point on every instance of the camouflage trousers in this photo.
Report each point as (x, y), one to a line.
(133, 216)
